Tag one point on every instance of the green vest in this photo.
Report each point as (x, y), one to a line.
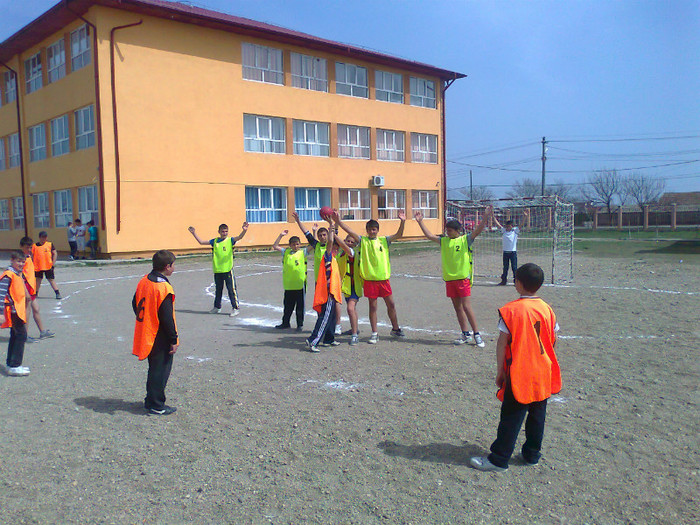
(222, 253)
(457, 258)
(346, 276)
(374, 259)
(294, 269)
(318, 258)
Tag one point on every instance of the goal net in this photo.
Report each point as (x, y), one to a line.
(546, 236)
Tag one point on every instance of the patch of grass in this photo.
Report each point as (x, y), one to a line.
(640, 249)
(638, 234)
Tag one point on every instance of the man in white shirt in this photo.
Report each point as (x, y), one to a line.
(510, 246)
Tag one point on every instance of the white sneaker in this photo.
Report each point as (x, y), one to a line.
(478, 341)
(483, 463)
(354, 340)
(234, 313)
(215, 311)
(373, 339)
(17, 371)
(338, 330)
(463, 339)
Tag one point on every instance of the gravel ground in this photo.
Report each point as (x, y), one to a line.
(268, 433)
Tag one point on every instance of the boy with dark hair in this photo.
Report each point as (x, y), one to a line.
(293, 279)
(92, 238)
(72, 233)
(458, 272)
(222, 262)
(44, 255)
(155, 333)
(375, 269)
(317, 244)
(14, 315)
(28, 271)
(510, 246)
(352, 282)
(527, 371)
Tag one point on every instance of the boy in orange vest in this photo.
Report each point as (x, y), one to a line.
(29, 273)
(528, 371)
(155, 333)
(44, 255)
(14, 315)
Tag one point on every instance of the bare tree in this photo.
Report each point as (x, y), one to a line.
(524, 188)
(643, 189)
(561, 190)
(604, 188)
(480, 193)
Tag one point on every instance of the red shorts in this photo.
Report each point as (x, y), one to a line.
(375, 289)
(458, 288)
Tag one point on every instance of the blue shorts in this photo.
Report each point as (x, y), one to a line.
(353, 292)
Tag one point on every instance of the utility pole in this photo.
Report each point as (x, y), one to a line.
(544, 159)
(471, 186)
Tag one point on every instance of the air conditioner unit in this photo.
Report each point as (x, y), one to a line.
(377, 180)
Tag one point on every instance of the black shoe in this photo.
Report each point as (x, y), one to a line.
(503, 282)
(283, 326)
(165, 411)
(300, 328)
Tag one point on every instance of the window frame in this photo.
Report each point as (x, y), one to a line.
(354, 86)
(33, 79)
(361, 212)
(419, 97)
(18, 213)
(269, 144)
(57, 70)
(267, 74)
(62, 207)
(272, 214)
(4, 214)
(420, 149)
(80, 48)
(3, 155)
(384, 94)
(398, 203)
(313, 148)
(88, 195)
(37, 142)
(316, 79)
(60, 143)
(14, 152)
(307, 212)
(421, 202)
(40, 207)
(346, 131)
(10, 87)
(84, 138)
(385, 153)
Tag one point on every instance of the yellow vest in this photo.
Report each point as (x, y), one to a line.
(374, 259)
(349, 272)
(294, 269)
(457, 258)
(222, 255)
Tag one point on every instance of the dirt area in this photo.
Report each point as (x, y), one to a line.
(266, 432)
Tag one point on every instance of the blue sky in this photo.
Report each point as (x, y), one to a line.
(587, 75)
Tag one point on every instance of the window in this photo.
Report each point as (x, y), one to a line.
(263, 134)
(351, 80)
(353, 142)
(88, 204)
(4, 214)
(265, 204)
(390, 145)
(14, 150)
(56, 58)
(84, 128)
(422, 92)
(41, 210)
(10, 87)
(391, 202)
(311, 138)
(426, 202)
(60, 142)
(18, 213)
(309, 201)
(3, 162)
(62, 207)
(263, 64)
(354, 205)
(424, 148)
(32, 73)
(389, 86)
(79, 48)
(37, 143)
(309, 72)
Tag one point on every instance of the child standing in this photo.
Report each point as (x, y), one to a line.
(510, 246)
(92, 239)
(458, 272)
(222, 262)
(14, 316)
(44, 255)
(155, 333)
(72, 233)
(352, 282)
(293, 279)
(375, 269)
(29, 274)
(80, 238)
(527, 371)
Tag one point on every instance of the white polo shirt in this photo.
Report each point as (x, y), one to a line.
(510, 239)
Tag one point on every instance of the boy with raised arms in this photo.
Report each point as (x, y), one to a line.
(352, 282)
(155, 333)
(14, 315)
(222, 263)
(527, 371)
(458, 271)
(293, 279)
(375, 269)
(317, 245)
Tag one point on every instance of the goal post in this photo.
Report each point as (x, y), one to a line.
(546, 236)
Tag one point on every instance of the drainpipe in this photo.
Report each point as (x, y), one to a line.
(114, 119)
(445, 85)
(21, 156)
(98, 113)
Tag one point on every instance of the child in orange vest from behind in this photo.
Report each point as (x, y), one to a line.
(155, 333)
(29, 273)
(528, 371)
(44, 255)
(14, 315)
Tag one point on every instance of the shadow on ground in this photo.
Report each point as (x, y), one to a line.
(110, 406)
(434, 452)
(679, 247)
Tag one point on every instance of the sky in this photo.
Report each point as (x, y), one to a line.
(609, 84)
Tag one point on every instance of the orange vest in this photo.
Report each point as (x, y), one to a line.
(17, 296)
(43, 260)
(321, 293)
(531, 365)
(29, 275)
(149, 297)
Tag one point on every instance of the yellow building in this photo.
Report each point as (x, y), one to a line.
(149, 116)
